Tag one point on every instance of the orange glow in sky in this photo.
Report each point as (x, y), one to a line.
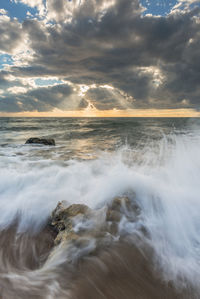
(93, 112)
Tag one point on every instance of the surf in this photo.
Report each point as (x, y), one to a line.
(160, 177)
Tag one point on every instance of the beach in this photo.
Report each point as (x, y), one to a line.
(111, 211)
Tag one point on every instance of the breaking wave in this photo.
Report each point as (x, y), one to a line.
(160, 252)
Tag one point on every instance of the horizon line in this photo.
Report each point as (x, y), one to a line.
(114, 113)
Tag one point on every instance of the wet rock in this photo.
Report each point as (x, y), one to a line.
(118, 209)
(62, 220)
(118, 202)
(65, 235)
(120, 206)
(113, 216)
(63, 213)
(78, 221)
(44, 141)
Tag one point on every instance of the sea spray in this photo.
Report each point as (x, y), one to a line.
(159, 176)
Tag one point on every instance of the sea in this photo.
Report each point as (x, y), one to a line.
(154, 162)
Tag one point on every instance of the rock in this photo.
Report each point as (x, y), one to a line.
(120, 207)
(113, 216)
(117, 207)
(78, 221)
(44, 141)
(62, 213)
(119, 203)
(62, 220)
(65, 236)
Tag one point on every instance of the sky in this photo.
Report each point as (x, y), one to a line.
(99, 58)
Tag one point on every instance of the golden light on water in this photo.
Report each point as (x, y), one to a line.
(93, 112)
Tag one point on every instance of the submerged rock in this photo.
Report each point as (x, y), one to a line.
(44, 141)
(78, 221)
(62, 220)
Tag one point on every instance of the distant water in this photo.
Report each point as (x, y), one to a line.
(84, 138)
(156, 161)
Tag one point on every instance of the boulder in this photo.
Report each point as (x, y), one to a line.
(62, 220)
(78, 221)
(44, 141)
(117, 208)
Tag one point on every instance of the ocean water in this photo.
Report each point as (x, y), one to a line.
(153, 161)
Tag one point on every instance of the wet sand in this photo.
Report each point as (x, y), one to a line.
(120, 271)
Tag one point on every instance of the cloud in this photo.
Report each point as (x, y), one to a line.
(183, 5)
(3, 11)
(31, 3)
(105, 98)
(11, 34)
(150, 62)
(20, 98)
(17, 89)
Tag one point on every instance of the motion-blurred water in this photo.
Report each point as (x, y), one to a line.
(154, 162)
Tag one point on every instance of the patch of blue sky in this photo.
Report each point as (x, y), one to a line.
(195, 4)
(5, 59)
(158, 7)
(17, 10)
(47, 82)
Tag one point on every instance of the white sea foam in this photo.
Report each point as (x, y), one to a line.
(164, 176)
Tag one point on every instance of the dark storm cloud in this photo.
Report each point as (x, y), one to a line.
(105, 98)
(10, 104)
(6, 83)
(3, 82)
(10, 34)
(154, 60)
(41, 99)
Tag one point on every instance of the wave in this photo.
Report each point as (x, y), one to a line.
(162, 178)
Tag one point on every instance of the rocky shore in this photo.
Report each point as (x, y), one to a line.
(85, 253)
(78, 222)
